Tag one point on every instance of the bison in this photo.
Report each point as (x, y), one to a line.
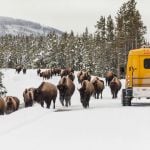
(98, 87)
(86, 92)
(83, 75)
(56, 71)
(66, 89)
(12, 104)
(66, 71)
(2, 106)
(115, 86)
(108, 77)
(78, 75)
(18, 69)
(71, 76)
(46, 92)
(28, 96)
(46, 74)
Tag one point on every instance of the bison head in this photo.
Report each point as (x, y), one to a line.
(83, 97)
(62, 91)
(84, 94)
(28, 96)
(37, 95)
(9, 106)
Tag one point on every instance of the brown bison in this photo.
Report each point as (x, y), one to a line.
(78, 75)
(46, 92)
(86, 92)
(28, 96)
(56, 71)
(71, 76)
(46, 74)
(115, 86)
(108, 77)
(66, 89)
(98, 87)
(83, 75)
(12, 104)
(66, 71)
(18, 69)
(2, 106)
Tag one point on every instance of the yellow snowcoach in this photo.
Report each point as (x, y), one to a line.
(137, 76)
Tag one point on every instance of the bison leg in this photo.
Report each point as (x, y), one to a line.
(88, 104)
(66, 101)
(69, 102)
(29, 104)
(42, 103)
(26, 104)
(101, 95)
(84, 104)
(98, 95)
(95, 95)
(54, 103)
(62, 102)
(116, 94)
(1, 112)
(48, 103)
(113, 95)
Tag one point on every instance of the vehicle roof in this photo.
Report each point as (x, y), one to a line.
(140, 51)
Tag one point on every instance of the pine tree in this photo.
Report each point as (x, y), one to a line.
(110, 44)
(3, 90)
(129, 31)
(86, 51)
(101, 34)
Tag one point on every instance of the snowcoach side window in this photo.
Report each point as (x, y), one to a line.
(147, 63)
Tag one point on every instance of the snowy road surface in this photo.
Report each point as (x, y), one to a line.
(105, 125)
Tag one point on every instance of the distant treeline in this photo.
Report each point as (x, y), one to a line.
(106, 49)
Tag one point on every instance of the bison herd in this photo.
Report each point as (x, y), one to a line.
(48, 92)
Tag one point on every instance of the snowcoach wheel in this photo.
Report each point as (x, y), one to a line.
(125, 101)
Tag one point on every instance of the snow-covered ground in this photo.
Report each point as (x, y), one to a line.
(105, 125)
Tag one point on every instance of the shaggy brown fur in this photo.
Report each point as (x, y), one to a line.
(46, 74)
(66, 89)
(86, 92)
(98, 87)
(12, 104)
(28, 96)
(2, 106)
(115, 86)
(108, 77)
(78, 75)
(46, 92)
(71, 76)
(84, 75)
(66, 71)
(55, 71)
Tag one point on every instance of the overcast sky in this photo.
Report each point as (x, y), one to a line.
(67, 15)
